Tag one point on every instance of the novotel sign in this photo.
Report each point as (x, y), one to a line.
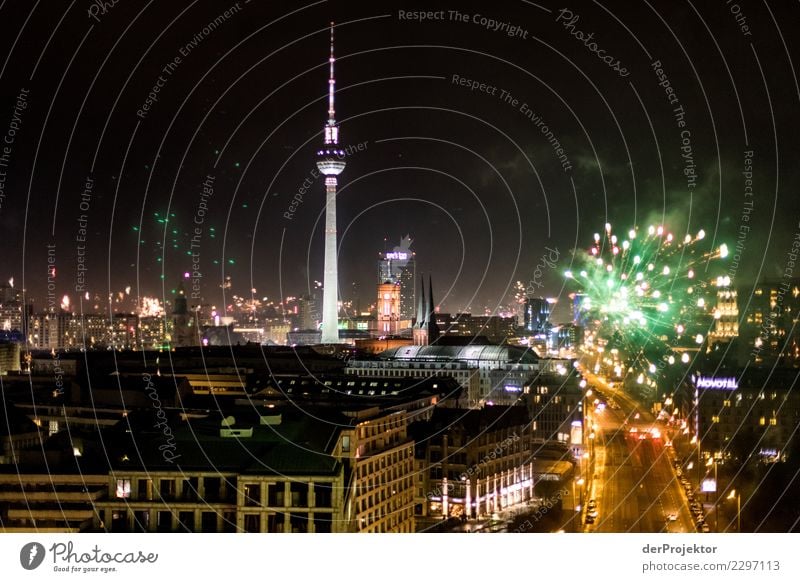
(727, 383)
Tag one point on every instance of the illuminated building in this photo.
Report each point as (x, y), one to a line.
(47, 331)
(770, 331)
(61, 503)
(353, 473)
(388, 308)
(494, 328)
(472, 463)
(399, 266)
(555, 404)
(746, 414)
(330, 161)
(726, 314)
(425, 330)
(536, 315)
(152, 333)
(9, 357)
(488, 373)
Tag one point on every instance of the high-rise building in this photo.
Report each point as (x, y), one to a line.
(771, 313)
(330, 161)
(726, 314)
(398, 266)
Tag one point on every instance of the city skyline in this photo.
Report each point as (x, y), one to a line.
(250, 194)
(344, 268)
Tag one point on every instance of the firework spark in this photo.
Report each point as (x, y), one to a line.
(646, 295)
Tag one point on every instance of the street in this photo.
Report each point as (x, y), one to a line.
(634, 483)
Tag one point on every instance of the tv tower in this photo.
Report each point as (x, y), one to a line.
(330, 161)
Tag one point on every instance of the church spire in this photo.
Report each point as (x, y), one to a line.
(421, 304)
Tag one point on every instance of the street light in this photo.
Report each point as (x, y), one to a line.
(713, 461)
(738, 496)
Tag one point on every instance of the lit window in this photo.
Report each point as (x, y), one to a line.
(773, 422)
(715, 419)
(761, 421)
(123, 488)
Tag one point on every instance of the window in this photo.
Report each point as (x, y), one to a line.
(142, 487)
(252, 523)
(299, 493)
(211, 488)
(298, 522)
(715, 419)
(773, 422)
(123, 488)
(762, 421)
(167, 488)
(164, 521)
(346, 443)
(275, 494)
(323, 494)
(322, 523)
(252, 494)
(141, 521)
(208, 522)
(186, 520)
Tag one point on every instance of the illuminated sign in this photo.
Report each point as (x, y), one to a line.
(396, 256)
(716, 383)
(512, 388)
(708, 486)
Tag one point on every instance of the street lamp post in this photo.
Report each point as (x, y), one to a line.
(738, 496)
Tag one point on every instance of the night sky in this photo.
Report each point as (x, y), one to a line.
(470, 175)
